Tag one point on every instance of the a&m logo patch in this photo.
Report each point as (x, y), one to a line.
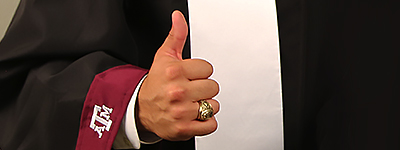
(101, 119)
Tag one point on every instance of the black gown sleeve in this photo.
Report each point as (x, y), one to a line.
(51, 54)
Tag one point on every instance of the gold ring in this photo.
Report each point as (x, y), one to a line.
(205, 110)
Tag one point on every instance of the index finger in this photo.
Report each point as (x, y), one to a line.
(196, 69)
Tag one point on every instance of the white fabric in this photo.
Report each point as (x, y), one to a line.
(130, 124)
(240, 38)
(128, 137)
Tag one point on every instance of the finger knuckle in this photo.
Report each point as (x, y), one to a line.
(173, 36)
(181, 130)
(215, 87)
(211, 128)
(173, 71)
(214, 126)
(217, 107)
(175, 92)
(178, 112)
(209, 69)
(206, 67)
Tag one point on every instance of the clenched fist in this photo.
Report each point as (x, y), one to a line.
(168, 99)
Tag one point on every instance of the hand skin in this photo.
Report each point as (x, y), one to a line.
(167, 100)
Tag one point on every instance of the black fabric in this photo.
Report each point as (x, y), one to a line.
(340, 72)
(339, 68)
(51, 53)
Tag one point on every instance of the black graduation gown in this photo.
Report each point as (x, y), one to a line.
(340, 69)
(51, 53)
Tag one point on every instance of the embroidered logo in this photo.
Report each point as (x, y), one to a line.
(103, 118)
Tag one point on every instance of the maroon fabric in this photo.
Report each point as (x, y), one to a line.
(113, 89)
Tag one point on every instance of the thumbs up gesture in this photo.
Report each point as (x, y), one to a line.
(168, 99)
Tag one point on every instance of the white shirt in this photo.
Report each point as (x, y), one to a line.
(128, 137)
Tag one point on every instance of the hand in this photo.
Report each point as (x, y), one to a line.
(167, 101)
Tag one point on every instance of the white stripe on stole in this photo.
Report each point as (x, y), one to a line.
(240, 39)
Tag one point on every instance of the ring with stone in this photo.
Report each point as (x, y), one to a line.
(205, 110)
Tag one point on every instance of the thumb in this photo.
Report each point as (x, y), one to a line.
(173, 44)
